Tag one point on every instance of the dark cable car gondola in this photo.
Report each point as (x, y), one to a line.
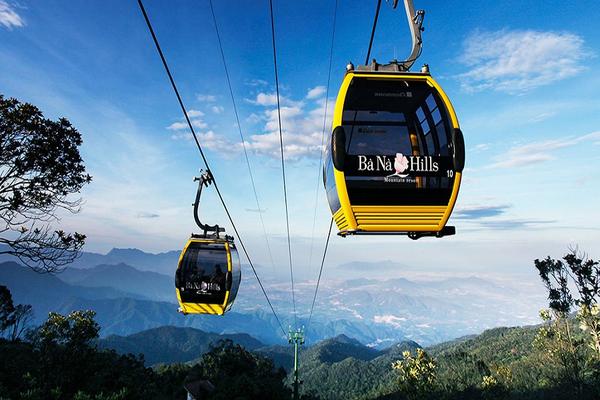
(208, 273)
(396, 154)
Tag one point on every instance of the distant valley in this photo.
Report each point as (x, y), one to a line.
(132, 291)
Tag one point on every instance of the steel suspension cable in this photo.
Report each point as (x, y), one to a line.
(373, 31)
(237, 119)
(320, 162)
(287, 215)
(312, 307)
(185, 113)
(312, 236)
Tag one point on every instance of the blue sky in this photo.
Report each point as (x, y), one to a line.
(521, 74)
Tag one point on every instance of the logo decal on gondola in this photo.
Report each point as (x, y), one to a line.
(401, 168)
(400, 165)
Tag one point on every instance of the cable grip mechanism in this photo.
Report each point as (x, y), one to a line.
(205, 179)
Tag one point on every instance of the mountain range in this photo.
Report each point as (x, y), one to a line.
(132, 291)
(117, 311)
(169, 344)
(163, 263)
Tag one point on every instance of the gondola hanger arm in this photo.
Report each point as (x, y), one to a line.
(415, 23)
(204, 179)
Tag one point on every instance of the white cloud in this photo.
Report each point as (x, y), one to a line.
(219, 143)
(177, 126)
(517, 158)
(181, 125)
(520, 60)
(195, 113)
(270, 99)
(536, 152)
(287, 114)
(315, 92)
(217, 109)
(136, 173)
(481, 147)
(212, 141)
(302, 132)
(182, 136)
(254, 118)
(206, 98)
(388, 319)
(302, 127)
(265, 99)
(256, 82)
(542, 116)
(9, 17)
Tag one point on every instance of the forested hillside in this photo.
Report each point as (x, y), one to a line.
(502, 363)
(509, 363)
(169, 344)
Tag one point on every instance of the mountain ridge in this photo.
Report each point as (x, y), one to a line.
(147, 284)
(170, 344)
(378, 312)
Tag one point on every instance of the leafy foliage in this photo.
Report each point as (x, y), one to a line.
(60, 360)
(343, 368)
(416, 374)
(574, 348)
(562, 346)
(238, 373)
(75, 330)
(7, 308)
(40, 166)
(14, 320)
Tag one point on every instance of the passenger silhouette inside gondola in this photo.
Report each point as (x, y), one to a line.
(218, 278)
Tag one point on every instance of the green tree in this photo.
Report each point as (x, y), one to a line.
(497, 383)
(75, 330)
(40, 167)
(23, 315)
(62, 362)
(462, 371)
(562, 350)
(14, 320)
(239, 374)
(7, 309)
(416, 375)
(564, 343)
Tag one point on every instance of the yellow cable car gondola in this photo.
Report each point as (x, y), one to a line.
(395, 157)
(208, 272)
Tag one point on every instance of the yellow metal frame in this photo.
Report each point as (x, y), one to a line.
(409, 218)
(205, 308)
